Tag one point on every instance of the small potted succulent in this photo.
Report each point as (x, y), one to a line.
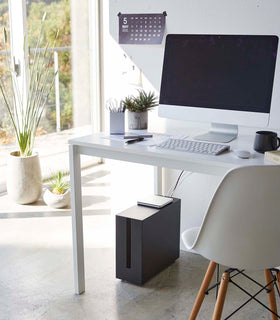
(138, 107)
(57, 195)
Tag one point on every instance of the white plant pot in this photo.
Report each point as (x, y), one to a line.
(57, 200)
(24, 179)
(137, 120)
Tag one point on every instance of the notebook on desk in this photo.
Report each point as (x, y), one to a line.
(154, 201)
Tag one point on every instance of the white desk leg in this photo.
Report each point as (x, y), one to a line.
(158, 180)
(77, 219)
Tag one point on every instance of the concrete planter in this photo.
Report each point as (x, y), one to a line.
(57, 200)
(137, 120)
(24, 179)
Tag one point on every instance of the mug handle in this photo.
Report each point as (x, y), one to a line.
(278, 139)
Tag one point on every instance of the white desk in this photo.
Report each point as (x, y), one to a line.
(96, 145)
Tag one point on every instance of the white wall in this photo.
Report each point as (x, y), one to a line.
(198, 16)
(201, 16)
(80, 63)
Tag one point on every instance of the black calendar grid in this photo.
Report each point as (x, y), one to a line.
(141, 28)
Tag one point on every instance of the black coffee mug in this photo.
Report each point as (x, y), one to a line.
(266, 141)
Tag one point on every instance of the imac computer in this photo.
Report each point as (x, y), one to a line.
(223, 79)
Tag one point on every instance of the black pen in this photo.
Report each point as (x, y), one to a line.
(138, 136)
(134, 140)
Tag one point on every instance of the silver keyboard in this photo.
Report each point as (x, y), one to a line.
(193, 146)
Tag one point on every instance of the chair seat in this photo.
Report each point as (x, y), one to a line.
(189, 236)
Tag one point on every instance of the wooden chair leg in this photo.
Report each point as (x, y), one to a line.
(204, 286)
(271, 293)
(221, 297)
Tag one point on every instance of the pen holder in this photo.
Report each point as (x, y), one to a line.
(116, 122)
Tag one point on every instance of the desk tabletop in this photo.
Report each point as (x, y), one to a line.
(103, 145)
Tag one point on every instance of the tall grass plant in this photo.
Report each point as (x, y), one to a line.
(26, 112)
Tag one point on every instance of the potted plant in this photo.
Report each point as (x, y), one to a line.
(25, 108)
(57, 195)
(138, 108)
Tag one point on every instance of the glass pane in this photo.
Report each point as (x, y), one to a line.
(57, 19)
(6, 132)
(53, 147)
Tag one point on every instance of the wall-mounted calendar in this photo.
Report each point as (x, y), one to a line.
(141, 28)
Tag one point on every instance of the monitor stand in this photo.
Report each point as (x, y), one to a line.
(219, 133)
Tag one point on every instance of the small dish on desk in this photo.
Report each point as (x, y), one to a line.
(242, 154)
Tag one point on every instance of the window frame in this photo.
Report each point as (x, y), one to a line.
(18, 30)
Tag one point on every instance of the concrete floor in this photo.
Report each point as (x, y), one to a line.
(36, 273)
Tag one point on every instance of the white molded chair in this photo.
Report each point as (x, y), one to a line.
(240, 230)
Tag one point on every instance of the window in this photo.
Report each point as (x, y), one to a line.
(5, 125)
(59, 110)
(61, 119)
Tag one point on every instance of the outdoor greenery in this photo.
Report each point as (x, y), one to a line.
(26, 115)
(58, 18)
(143, 102)
(5, 124)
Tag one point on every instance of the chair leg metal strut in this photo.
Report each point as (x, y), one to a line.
(272, 278)
(277, 284)
(217, 279)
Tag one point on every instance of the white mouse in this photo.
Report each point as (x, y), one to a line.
(243, 154)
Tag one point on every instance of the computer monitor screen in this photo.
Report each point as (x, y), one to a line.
(221, 72)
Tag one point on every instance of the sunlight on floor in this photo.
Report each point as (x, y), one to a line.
(106, 189)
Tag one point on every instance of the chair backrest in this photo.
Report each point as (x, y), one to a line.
(242, 226)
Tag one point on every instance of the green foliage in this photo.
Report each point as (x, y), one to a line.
(3, 8)
(5, 123)
(4, 21)
(26, 115)
(58, 13)
(66, 113)
(67, 117)
(58, 18)
(143, 102)
(146, 100)
(57, 184)
(129, 103)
